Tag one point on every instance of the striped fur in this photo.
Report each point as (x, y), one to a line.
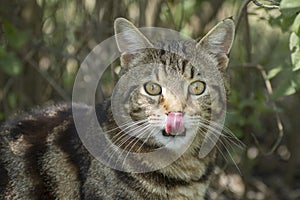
(42, 156)
(43, 160)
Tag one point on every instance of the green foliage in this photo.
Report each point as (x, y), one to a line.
(288, 71)
(295, 50)
(14, 39)
(251, 109)
(274, 61)
(289, 7)
(296, 25)
(38, 67)
(9, 62)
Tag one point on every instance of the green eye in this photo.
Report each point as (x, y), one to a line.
(152, 88)
(197, 88)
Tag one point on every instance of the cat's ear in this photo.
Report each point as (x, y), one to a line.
(128, 37)
(218, 41)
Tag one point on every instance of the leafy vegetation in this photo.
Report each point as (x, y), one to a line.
(42, 44)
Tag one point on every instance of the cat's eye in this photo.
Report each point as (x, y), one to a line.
(197, 88)
(152, 88)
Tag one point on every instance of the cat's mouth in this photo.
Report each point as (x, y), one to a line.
(174, 125)
(164, 133)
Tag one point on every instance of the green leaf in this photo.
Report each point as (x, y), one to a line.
(295, 56)
(273, 72)
(2, 51)
(10, 64)
(296, 60)
(14, 37)
(287, 87)
(296, 25)
(289, 7)
(286, 22)
(294, 41)
(295, 51)
(12, 100)
(296, 79)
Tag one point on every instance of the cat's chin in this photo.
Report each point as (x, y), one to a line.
(176, 142)
(164, 133)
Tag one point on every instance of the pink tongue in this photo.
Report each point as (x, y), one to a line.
(174, 123)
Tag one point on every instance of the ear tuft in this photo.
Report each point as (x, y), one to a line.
(128, 37)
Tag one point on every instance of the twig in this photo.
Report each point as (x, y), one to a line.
(170, 14)
(268, 85)
(242, 10)
(181, 15)
(274, 107)
(56, 87)
(248, 43)
(153, 12)
(256, 2)
(142, 8)
(278, 119)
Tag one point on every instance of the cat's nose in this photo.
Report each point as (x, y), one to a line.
(172, 102)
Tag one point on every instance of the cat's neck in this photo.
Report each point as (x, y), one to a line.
(186, 178)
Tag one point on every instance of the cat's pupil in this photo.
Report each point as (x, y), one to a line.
(152, 87)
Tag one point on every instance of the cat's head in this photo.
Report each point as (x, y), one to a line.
(175, 99)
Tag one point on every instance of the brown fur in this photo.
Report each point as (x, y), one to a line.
(42, 156)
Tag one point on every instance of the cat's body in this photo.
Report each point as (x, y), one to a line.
(47, 161)
(42, 156)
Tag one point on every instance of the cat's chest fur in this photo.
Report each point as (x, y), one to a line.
(178, 181)
(152, 185)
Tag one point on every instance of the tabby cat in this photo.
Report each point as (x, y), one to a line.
(42, 156)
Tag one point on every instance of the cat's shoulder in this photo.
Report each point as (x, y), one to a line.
(36, 120)
(27, 129)
(36, 124)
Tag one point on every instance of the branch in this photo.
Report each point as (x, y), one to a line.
(153, 11)
(242, 10)
(243, 13)
(170, 14)
(274, 107)
(248, 43)
(142, 8)
(258, 3)
(45, 75)
(278, 119)
(181, 15)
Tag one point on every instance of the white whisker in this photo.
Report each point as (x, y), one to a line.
(142, 132)
(216, 131)
(146, 140)
(127, 136)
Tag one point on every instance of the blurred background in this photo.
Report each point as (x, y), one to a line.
(43, 42)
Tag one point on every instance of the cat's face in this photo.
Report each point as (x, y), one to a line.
(174, 103)
(171, 100)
